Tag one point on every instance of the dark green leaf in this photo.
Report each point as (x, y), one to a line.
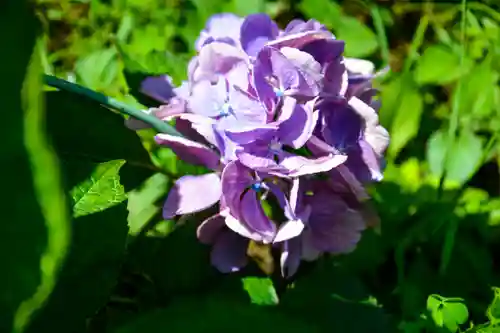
(215, 314)
(85, 133)
(35, 226)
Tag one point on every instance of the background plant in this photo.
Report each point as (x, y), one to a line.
(430, 268)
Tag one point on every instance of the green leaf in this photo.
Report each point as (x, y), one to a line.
(463, 160)
(493, 311)
(98, 70)
(478, 98)
(145, 202)
(447, 313)
(360, 41)
(260, 290)
(100, 191)
(331, 296)
(85, 134)
(326, 12)
(406, 120)
(176, 261)
(211, 314)
(439, 65)
(90, 273)
(246, 7)
(101, 160)
(35, 228)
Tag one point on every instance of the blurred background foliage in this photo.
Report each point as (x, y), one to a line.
(431, 267)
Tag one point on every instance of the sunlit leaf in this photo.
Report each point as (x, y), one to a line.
(260, 290)
(360, 40)
(406, 120)
(447, 313)
(439, 65)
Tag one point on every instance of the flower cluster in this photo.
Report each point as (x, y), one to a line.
(284, 121)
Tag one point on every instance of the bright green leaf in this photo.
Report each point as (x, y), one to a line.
(462, 161)
(145, 202)
(260, 290)
(326, 12)
(493, 311)
(479, 96)
(447, 313)
(360, 41)
(439, 65)
(406, 120)
(98, 70)
(100, 191)
(464, 158)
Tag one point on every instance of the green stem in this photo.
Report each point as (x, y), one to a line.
(111, 103)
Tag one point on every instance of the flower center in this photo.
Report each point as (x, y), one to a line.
(279, 92)
(275, 146)
(225, 110)
(256, 187)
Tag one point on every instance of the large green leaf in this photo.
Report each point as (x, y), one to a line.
(34, 229)
(85, 133)
(336, 300)
(102, 160)
(216, 314)
(360, 40)
(458, 164)
(439, 65)
(406, 121)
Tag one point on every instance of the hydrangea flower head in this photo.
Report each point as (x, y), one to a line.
(283, 120)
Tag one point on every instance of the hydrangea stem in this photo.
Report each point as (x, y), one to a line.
(111, 103)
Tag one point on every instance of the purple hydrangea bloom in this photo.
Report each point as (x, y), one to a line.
(273, 114)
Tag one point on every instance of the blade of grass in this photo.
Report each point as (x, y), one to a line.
(449, 240)
(380, 30)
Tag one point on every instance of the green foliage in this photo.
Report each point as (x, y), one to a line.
(86, 249)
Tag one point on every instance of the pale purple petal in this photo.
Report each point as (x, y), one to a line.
(236, 178)
(300, 166)
(185, 196)
(219, 58)
(250, 133)
(190, 151)
(224, 26)
(239, 227)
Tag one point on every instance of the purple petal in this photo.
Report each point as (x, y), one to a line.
(334, 227)
(335, 79)
(207, 99)
(308, 67)
(223, 26)
(209, 229)
(158, 87)
(255, 218)
(190, 151)
(185, 196)
(248, 134)
(300, 39)
(325, 50)
(229, 252)
(236, 178)
(297, 122)
(239, 227)
(219, 58)
(259, 158)
(290, 257)
(299, 166)
(256, 31)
